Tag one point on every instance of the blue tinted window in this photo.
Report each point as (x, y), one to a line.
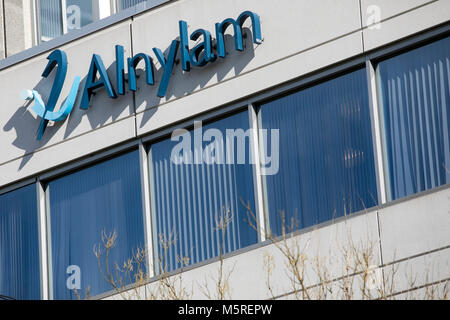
(50, 19)
(190, 199)
(106, 197)
(19, 244)
(125, 4)
(79, 14)
(326, 165)
(415, 93)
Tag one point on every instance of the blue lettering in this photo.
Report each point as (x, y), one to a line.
(184, 41)
(167, 65)
(120, 70)
(237, 26)
(149, 70)
(197, 59)
(91, 83)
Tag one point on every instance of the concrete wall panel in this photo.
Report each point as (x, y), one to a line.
(2, 33)
(416, 17)
(415, 226)
(61, 153)
(418, 272)
(388, 8)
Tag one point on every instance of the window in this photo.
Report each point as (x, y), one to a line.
(105, 197)
(125, 4)
(19, 244)
(326, 156)
(193, 198)
(56, 17)
(50, 19)
(415, 93)
(79, 13)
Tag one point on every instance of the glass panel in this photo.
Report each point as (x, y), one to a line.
(19, 244)
(415, 92)
(190, 199)
(105, 197)
(125, 4)
(326, 158)
(50, 19)
(79, 14)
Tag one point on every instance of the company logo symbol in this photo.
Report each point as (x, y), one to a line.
(46, 111)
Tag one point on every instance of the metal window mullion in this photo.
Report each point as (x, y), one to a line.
(257, 173)
(38, 22)
(17, 185)
(154, 231)
(43, 241)
(376, 133)
(117, 5)
(146, 206)
(34, 30)
(64, 16)
(114, 7)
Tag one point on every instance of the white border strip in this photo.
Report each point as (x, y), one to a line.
(146, 207)
(376, 132)
(43, 256)
(257, 177)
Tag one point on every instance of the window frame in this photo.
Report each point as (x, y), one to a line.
(206, 118)
(374, 60)
(44, 202)
(359, 64)
(97, 12)
(40, 232)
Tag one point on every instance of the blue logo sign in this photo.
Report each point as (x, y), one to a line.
(97, 78)
(46, 111)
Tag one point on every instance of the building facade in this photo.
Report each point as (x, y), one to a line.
(215, 134)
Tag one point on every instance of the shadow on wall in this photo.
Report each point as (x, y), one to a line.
(104, 110)
(24, 121)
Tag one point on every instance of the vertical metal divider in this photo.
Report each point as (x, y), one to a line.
(43, 231)
(153, 213)
(37, 22)
(64, 17)
(377, 147)
(114, 6)
(257, 173)
(35, 38)
(376, 132)
(146, 207)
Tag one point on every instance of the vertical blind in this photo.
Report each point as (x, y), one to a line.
(190, 200)
(125, 4)
(326, 153)
(415, 93)
(105, 197)
(19, 244)
(50, 19)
